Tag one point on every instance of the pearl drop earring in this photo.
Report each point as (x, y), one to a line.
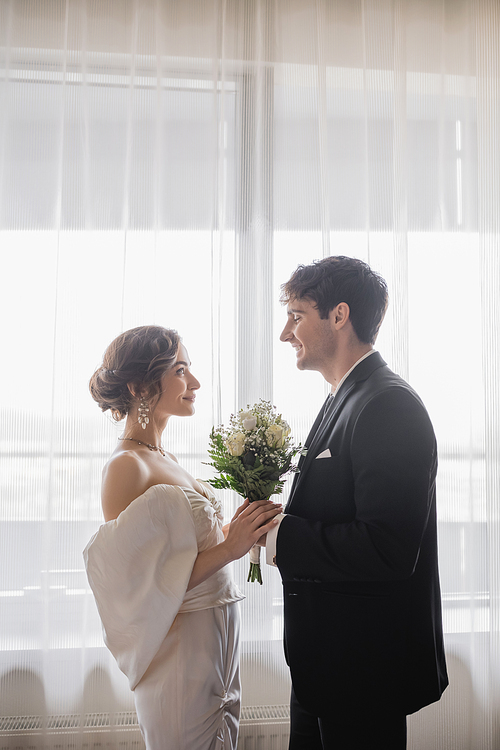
(143, 413)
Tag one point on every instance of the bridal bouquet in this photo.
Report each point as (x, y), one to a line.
(252, 456)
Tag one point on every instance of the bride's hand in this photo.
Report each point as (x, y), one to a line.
(250, 522)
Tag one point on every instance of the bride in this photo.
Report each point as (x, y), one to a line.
(158, 566)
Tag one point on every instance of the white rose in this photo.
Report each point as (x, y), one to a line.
(275, 435)
(245, 415)
(236, 444)
(250, 423)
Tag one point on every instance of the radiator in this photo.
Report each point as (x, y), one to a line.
(95, 731)
(261, 728)
(264, 728)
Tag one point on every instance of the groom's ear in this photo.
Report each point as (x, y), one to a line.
(339, 316)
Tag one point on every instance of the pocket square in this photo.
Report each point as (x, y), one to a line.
(325, 454)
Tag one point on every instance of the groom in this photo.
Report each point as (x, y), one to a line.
(356, 547)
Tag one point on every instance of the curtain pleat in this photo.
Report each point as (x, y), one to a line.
(488, 121)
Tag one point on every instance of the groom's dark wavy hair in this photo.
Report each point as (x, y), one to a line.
(328, 282)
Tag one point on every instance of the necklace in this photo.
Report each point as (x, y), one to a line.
(148, 445)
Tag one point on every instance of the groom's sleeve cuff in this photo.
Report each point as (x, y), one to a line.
(271, 541)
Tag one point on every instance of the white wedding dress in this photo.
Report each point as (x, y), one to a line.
(178, 648)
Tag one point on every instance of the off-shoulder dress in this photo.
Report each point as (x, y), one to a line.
(178, 648)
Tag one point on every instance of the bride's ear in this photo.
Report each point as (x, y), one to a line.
(134, 390)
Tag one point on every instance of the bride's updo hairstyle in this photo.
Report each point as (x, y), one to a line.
(139, 358)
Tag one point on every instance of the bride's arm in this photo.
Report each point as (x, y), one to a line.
(250, 521)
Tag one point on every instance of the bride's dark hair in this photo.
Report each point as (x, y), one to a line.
(140, 358)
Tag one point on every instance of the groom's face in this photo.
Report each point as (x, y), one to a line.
(314, 340)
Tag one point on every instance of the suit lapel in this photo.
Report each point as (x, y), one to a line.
(325, 428)
(315, 428)
(322, 427)
(330, 416)
(309, 440)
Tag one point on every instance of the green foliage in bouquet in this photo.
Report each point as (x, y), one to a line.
(253, 455)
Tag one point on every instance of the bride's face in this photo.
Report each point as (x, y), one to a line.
(179, 388)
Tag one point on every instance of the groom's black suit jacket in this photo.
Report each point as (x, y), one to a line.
(357, 552)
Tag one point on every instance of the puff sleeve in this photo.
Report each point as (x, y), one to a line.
(139, 567)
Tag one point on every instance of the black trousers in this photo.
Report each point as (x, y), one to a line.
(364, 732)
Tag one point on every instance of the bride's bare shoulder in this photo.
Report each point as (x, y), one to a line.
(125, 476)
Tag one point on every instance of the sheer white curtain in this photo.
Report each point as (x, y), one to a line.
(172, 162)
